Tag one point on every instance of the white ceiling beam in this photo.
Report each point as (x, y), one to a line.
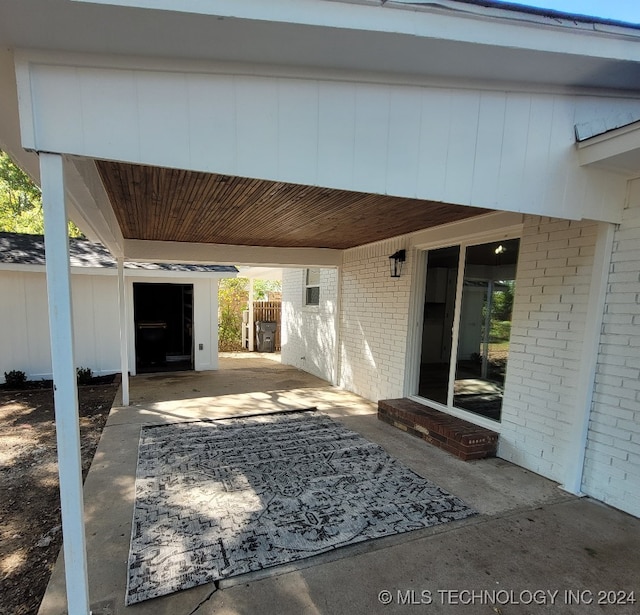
(183, 252)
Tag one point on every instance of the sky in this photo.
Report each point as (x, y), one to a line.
(620, 10)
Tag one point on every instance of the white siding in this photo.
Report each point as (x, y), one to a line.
(506, 150)
(205, 321)
(612, 464)
(24, 323)
(308, 332)
(96, 322)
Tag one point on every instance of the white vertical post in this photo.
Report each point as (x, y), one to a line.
(455, 334)
(252, 325)
(576, 447)
(124, 352)
(65, 384)
(337, 327)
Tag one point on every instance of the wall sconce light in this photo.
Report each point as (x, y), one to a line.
(396, 261)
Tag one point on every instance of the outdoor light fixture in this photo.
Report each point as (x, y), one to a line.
(396, 261)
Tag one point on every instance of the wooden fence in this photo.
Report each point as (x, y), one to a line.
(269, 311)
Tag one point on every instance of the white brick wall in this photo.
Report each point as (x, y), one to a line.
(374, 316)
(612, 463)
(552, 287)
(308, 332)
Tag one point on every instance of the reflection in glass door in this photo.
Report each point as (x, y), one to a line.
(483, 329)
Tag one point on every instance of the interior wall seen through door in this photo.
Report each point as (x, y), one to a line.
(163, 317)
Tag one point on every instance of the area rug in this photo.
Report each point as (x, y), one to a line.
(222, 498)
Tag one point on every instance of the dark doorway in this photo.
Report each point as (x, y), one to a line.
(163, 320)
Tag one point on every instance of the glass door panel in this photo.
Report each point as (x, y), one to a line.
(485, 327)
(440, 299)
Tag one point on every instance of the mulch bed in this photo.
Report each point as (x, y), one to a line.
(30, 526)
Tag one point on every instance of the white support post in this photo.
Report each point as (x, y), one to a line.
(65, 383)
(124, 352)
(252, 325)
(337, 328)
(579, 431)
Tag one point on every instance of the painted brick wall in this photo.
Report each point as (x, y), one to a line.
(374, 315)
(308, 332)
(612, 463)
(553, 281)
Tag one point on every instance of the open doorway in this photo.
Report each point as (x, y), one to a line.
(163, 320)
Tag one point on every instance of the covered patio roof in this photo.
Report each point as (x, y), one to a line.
(159, 204)
(452, 42)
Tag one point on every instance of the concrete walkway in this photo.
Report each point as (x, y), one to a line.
(533, 549)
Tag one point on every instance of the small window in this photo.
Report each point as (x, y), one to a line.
(312, 287)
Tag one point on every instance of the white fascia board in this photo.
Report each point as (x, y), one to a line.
(503, 225)
(617, 150)
(25, 101)
(502, 28)
(182, 275)
(128, 273)
(24, 268)
(220, 254)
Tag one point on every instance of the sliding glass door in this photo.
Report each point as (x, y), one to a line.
(467, 326)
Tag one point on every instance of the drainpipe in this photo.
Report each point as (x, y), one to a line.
(65, 388)
(586, 378)
(124, 354)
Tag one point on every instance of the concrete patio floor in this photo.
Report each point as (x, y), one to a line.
(532, 549)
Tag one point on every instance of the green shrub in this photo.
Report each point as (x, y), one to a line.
(15, 379)
(500, 330)
(84, 375)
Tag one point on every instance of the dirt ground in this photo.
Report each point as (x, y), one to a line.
(30, 530)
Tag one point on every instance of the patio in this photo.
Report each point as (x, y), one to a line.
(529, 537)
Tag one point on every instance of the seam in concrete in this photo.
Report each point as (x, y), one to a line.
(206, 598)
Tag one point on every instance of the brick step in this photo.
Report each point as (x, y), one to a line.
(450, 433)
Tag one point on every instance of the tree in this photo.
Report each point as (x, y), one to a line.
(233, 299)
(233, 295)
(21, 201)
(262, 288)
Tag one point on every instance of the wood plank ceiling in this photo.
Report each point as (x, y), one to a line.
(161, 204)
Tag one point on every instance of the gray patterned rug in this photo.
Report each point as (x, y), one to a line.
(221, 498)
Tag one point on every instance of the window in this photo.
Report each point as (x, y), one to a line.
(312, 287)
(467, 326)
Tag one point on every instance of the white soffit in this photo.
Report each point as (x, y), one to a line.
(438, 41)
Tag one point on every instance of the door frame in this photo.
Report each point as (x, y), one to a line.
(416, 313)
